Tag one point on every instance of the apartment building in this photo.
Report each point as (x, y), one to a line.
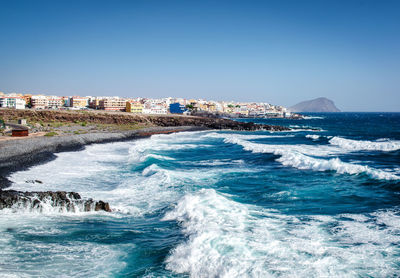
(55, 102)
(12, 102)
(134, 107)
(78, 102)
(113, 104)
(39, 102)
(94, 102)
(154, 108)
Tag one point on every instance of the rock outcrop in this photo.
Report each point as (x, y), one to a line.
(49, 201)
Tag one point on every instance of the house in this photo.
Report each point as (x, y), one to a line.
(18, 130)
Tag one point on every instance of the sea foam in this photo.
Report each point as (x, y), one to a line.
(229, 239)
(360, 145)
(300, 157)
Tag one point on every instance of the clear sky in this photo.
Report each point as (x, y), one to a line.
(281, 52)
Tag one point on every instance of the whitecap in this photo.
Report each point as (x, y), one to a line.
(360, 145)
(313, 118)
(229, 239)
(300, 157)
(313, 136)
(246, 136)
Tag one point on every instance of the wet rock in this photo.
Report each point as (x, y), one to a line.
(56, 200)
(100, 205)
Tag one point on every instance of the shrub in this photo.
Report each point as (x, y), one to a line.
(50, 134)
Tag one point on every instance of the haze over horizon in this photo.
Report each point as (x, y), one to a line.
(282, 52)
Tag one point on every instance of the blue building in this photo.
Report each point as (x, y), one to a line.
(177, 108)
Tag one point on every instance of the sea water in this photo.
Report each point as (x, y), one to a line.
(319, 201)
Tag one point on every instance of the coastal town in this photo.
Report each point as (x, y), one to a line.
(149, 106)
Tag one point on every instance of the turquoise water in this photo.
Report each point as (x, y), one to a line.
(303, 203)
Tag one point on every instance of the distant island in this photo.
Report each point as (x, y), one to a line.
(321, 104)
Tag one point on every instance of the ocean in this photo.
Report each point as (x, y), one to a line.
(319, 201)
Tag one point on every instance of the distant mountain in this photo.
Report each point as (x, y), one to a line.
(315, 105)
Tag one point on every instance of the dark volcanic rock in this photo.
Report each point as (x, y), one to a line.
(214, 123)
(4, 182)
(57, 200)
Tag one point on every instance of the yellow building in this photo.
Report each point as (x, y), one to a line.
(27, 98)
(211, 107)
(134, 107)
(79, 102)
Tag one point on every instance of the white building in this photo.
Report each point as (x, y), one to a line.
(151, 107)
(39, 102)
(12, 102)
(55, 102)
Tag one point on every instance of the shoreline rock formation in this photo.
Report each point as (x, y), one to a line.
(59, 201)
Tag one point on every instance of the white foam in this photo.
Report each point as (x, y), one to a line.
(229, 239)
(245, 136)
(360, 145)
(299, 129)
(143, 149)
(320, 150)
(304, 162)
(300, 157)
(217, 162)
(313, 136)
(103, 177)
(72, 171)
(29, 247)
(313, 118)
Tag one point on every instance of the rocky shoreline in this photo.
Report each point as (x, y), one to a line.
(59, 201)
(17, 155)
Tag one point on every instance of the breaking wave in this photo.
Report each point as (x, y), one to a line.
(246, 136)
(313, 118)
(230, 239)
(313, 136)
(360, 145)
(300, 157)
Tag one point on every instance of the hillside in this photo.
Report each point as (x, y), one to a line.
(315, 105)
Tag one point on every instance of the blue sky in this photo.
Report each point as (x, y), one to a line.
(281, 52)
